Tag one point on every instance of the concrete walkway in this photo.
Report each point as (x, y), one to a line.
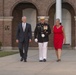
(11, 65)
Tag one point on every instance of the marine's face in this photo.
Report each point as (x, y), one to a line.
(42, 21)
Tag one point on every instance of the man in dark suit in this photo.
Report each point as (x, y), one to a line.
(23, 37)
(41, 35)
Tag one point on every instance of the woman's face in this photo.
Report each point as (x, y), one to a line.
(57, 22)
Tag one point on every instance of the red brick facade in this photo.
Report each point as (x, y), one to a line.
(9, 9)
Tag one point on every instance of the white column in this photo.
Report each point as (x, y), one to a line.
(59, 9)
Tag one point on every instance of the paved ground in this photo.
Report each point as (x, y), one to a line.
(11, 65)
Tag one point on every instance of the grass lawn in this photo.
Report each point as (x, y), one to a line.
(7, 53)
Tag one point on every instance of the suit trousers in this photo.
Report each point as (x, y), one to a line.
(23, 49)
(43, 50)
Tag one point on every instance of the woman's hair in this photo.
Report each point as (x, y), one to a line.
(60, 23)
(58, 19)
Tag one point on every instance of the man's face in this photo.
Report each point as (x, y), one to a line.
(24, 19)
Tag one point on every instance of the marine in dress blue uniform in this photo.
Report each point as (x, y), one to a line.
(41, 35)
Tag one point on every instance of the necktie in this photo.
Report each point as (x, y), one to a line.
(24, 26)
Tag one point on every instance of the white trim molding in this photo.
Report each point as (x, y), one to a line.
(9, 18)
(6, 48)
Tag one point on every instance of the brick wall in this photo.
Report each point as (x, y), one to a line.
(44, 7)
(1, 30)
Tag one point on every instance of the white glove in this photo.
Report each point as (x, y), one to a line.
(42, 35)
(36, 40)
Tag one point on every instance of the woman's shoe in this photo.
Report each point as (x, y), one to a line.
(58, 60)
(40, 60)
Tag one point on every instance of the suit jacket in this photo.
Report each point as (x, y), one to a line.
(40, 30)
(24, 36)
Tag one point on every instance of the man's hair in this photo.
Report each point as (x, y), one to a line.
(23, 17)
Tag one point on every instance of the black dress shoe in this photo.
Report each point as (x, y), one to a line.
(25, 60)
(21, 59)
(44, 60)
(58, 60)
(40, 60)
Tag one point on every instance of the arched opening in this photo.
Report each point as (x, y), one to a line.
(23, 9)
(68, 22)
(67, 25)
(31, 17)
